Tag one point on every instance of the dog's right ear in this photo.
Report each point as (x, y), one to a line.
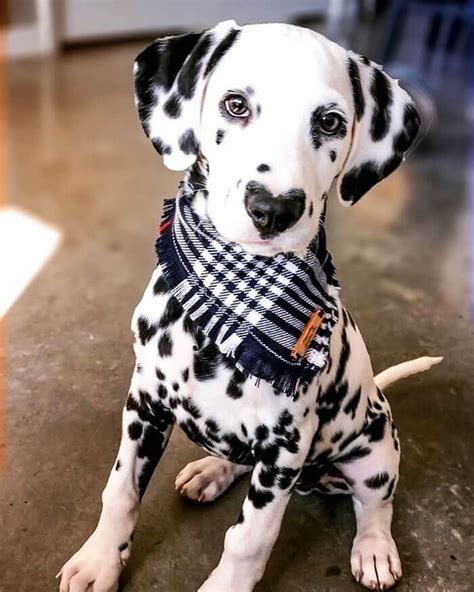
(170, 80)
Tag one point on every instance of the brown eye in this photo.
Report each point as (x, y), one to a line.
(331, 123)
(237, 106)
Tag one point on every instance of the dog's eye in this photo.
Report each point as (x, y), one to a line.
(237, 106)
(331, 123)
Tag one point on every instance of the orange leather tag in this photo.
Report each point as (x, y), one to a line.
(307, 335)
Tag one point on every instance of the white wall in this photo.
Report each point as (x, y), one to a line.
(86, 19)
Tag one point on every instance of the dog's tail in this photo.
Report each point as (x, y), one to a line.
(405, 369)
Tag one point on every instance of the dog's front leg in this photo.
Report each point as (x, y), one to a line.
(248, 543)
(96, 567)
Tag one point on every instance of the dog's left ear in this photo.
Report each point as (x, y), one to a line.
(385, 124)
(170, 81)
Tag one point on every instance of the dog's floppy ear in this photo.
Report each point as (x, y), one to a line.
(385, 124)
(170, 79)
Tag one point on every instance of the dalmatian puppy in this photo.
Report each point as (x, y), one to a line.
(254, 113)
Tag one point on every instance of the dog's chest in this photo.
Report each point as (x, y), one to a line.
(213, 403)
(219, 409)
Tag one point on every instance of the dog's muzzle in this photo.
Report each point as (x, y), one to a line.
(273, 215)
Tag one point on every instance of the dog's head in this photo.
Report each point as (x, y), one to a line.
(268, 117)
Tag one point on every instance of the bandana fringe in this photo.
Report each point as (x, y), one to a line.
(230, 345)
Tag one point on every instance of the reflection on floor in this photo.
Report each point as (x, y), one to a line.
(79, 162)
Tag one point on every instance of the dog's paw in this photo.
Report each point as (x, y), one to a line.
(96, 567)
(375, 562)
(205, 479)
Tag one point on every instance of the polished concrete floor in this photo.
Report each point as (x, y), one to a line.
(79, 161)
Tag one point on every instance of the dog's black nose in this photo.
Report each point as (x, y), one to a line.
(273, 215)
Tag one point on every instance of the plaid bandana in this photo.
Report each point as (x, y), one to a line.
(253, 308)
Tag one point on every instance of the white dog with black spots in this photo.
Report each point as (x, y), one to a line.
(267, 120)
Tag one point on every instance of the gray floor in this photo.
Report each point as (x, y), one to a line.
(78, 160)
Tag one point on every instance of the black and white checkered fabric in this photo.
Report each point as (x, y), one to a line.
(254, 308)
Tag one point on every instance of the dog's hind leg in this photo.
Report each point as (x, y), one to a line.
(207, 478)
(146, 427)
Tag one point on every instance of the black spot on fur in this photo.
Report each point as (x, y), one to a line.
(267, 476)
(234, 389)
(237, 451)
(171, 314)
(376, 429)
(390, 489)
(122, 547)
(357, 93)
(220, 51)
(160, 286)
(411, 125)
(191, 408)
(172, 107)
(377, 481)
(285, 419)
(159, 374)
(118, 465)
(188, 143)
(175, 386)
(382, 95)
(146, 330)
(191, 429)
(212, 425)
(241, 518)
(206, 362)
(162, 391)
(196, 179)
(220, 136)
(330, 401)
(263, 168)
(267, 454)
(151, 448)
(189, 73)
(286, 475)
(337, 436)
(195, 332)
(359, 180)
(343, 358)
(161, 61)
(165, 345)
(261, 433)
(332, 155)
(135, 430)
(355, 454)
(185, 375)
(311, 209)
(351, 406)
(259, 498)
(348, 440)
(161, 147)
(244, 430)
